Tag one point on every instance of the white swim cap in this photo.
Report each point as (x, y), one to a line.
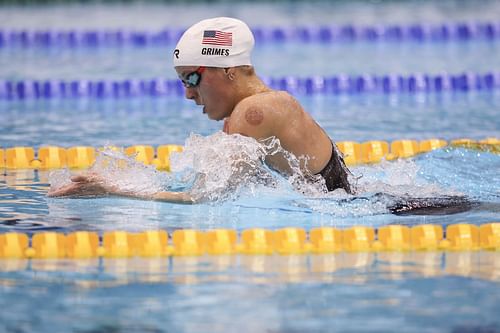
(217, 42)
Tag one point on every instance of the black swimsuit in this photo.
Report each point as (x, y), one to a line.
(335, 172)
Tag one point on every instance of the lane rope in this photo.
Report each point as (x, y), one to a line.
(355, 153)
(312, 85)
(459, 31)
(256, 241)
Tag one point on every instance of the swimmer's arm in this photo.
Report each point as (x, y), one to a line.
(173, 197)
(92, 186)
(164, 196)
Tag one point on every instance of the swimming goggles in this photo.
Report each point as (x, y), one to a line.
(193, 79)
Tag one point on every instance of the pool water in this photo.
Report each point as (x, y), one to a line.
(345, 292)
(270, 59)
(391, 292)
(446, 172)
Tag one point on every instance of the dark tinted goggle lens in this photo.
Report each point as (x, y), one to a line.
(192, 80)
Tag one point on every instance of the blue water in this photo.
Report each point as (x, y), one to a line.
(340, 293)
(440, 173)
(269, 59)
(366, 292)
(157, 121)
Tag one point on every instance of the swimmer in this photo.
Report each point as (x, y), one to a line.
(213, 61)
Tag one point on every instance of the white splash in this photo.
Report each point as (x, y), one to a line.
(212, 168)
(224, 164)
(378, 187)
(223, 167)
(121, 171)
(398, 178)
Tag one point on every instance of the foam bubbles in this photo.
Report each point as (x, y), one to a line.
(226, 164)
(59, 178)
(397, 178)
(221, 167)
(120, 171)
(378, 187)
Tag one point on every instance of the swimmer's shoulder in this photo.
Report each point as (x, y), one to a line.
(258, 115)
(267, 98)
(269, 102)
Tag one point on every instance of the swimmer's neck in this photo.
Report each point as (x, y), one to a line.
(243, 88)
(249, 87)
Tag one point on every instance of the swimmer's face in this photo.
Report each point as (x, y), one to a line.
(214, 90)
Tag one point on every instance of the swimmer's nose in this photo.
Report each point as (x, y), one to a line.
(190, 93)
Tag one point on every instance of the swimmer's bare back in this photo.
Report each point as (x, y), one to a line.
(277, 114)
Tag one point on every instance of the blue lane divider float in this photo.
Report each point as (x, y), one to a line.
(326, 34)
(340, 84)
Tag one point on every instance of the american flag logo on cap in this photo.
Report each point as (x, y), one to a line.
(217, 37)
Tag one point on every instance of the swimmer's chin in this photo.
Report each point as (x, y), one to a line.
(212, 116)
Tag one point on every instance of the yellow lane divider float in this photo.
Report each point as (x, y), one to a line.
(286, 241)
(355, 153)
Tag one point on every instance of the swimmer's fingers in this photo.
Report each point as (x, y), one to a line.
(86, 178)
(79, 179)
(79, 189)
(66, 190)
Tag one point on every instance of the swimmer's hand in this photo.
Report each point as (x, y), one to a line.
(92, 185)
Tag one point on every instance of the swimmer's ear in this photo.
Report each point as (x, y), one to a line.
(229, 71)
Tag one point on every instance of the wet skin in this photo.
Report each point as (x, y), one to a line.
(248, 107)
